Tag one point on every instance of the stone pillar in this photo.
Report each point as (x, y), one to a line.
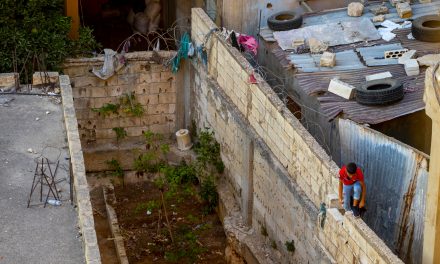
(431, 243)
(247, 192)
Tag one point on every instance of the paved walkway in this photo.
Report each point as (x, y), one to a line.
(34, 235)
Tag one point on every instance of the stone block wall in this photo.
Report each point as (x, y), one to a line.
(153, 85)
(286, 197)
(80, 185)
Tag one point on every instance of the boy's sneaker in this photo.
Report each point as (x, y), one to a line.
(356, 211)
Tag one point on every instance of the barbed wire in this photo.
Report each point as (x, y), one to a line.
(279, 85)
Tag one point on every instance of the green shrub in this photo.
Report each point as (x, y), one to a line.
(34, 36)
(208, 193)
(148, 206)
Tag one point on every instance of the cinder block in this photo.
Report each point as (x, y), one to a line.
(342, 89)
(378, 76)
(412, 67)
(316, 46)
(379, 10)
(404, 10)
(355, 9)
(151, 99)
(39, 78)
(328, 59)
(406, 56)
(298, 42)
(166, 76)
(394, 54)
(379, 18)
(155, 77)
(395, 2)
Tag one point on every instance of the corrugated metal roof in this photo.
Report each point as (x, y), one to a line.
(333, 105)
(341, 14)
(396, 188)
(345, 60)
(316, 83)
(374, 56)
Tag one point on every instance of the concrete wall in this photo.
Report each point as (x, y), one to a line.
(154, 87)
(80, 185)
(305, 171)
(244, 15)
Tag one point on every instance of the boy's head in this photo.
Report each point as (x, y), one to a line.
(351, 168)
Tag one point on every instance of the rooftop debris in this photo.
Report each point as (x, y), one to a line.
(369, 58)
(378, 76)
(355, 9)
(328, 59)
(341, 89)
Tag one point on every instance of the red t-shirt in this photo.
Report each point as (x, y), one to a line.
(343, 176)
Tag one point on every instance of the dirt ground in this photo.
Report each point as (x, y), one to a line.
(198, 238)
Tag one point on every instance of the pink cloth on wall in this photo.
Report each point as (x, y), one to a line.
(249, 43)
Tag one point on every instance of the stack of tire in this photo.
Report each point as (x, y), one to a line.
(426, 28)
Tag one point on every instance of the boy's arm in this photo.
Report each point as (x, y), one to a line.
(340, 192)
(364, 194)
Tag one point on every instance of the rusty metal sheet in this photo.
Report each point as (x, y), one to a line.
(332, 105)
(396, 178)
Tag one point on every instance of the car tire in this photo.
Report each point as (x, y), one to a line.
(426, 28)
(285, 20)
(380, 92)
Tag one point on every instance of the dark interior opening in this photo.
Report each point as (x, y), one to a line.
(413, 129)
(294, 108)
(431, 24)
(380, 86)
(113, 21)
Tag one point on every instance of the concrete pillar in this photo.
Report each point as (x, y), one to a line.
(431, 243)
(247, 191)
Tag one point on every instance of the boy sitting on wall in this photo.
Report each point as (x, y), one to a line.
(351, 183)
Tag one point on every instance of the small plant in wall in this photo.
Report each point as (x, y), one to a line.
(290, 246)
(127, 104)
(130, 105)
(273, 244)
(107, 109)
(120, 133)
(116, 169)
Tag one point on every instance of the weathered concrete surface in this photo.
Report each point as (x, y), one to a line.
(37, 234)
(431, 241)
(292, 174)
